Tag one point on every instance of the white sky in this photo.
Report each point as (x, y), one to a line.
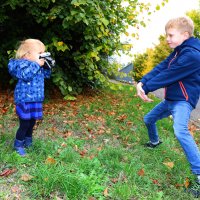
(148, 36)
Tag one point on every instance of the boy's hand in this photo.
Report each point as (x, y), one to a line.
(141, 93)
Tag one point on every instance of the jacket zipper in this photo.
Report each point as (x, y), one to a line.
(180, 83)
(183, 90)
(169, 67)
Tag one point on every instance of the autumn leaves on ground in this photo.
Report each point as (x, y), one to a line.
(92, 148)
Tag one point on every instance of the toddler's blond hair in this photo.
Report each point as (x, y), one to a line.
(26, 46)
(183, 24)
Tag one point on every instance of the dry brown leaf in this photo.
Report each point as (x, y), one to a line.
(83, 152)
(101, 131)
(16, 189)
(122, 117)
(26, 177)
(100, 148)
(141, 172)
(187, 182)
(63, 145)
(156, 182)
(170, 165)
(112, 113)
(68, 122)
(114, 180)
(92, 198)
(192, 128)
(129, 123)
(92, 156)
(50, 161)
(105, 192)
(68, 134)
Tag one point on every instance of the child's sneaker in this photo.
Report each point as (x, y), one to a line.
(19, 147)
(28, 142)
(194, 190)
(151, 145)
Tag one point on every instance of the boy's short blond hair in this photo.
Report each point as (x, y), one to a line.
(183, 24)
(26, 46)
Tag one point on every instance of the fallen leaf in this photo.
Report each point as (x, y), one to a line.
(92, 156)
(105, 192)
(112, 113)
(114, 180)
(156, 182)
(50, 161)
(15, 189)
(68, 122)
(8, 172)
(100, 148)
(192, 128)
(83, 152)
(67, 134)
(121, 117)
(92, 198)
(129, 123)
(26, 177)
(170, 165)
(187, 182)
(63, 145)
(141, 172)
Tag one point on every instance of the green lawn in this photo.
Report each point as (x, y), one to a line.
(92, 148)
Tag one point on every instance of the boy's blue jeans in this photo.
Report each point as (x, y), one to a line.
(180, 111)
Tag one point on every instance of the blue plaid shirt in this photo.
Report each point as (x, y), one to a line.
(30, 76)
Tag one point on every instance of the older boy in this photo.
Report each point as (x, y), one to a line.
(179, 73)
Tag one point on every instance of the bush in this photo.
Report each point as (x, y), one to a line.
(80, 34)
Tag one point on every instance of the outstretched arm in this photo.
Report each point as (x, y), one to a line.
(141, 93)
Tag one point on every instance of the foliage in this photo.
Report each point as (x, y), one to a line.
(92, 148)
(195, 16)
(81, 34)
(143, 63)
(139, 65)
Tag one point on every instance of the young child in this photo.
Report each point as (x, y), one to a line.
(179, 73)
(29, 91)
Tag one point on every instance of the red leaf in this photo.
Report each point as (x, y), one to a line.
(83, 152)
(141, 172)
(156, 182)
(8, 172)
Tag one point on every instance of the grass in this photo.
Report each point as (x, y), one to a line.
(92, 148)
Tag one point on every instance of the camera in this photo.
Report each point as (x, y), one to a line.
(49, 61)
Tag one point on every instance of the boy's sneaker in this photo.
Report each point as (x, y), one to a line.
(194, 190)
(151, 145)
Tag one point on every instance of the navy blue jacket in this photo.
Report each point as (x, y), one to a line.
(30, 84)
(179, 73)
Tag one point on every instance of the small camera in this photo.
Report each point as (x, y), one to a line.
(49, 61)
